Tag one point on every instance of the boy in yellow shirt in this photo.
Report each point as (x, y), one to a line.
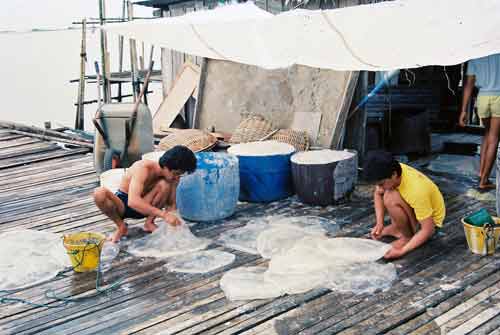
(413, 202)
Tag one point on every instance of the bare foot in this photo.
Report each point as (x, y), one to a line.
(149, 226)
(400, 242)
(390, 230)
(487, 186)
(119, 233)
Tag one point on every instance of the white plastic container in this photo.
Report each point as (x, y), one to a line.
(111, 179)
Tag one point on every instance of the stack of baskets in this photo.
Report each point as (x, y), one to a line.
(251, 129)
(299, 139)
(194, 139)
(257, 128)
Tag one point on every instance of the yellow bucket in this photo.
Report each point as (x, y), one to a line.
(84, 250)
(478, 240)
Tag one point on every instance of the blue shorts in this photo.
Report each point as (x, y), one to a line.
(129, 212)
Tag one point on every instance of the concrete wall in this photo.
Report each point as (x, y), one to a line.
(234, 90)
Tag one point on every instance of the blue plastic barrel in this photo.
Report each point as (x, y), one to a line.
(211, 192)
(266, 176)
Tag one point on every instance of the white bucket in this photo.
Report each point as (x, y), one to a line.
(111, 179)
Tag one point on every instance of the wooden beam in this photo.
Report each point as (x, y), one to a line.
(80, 115)
(41, 131)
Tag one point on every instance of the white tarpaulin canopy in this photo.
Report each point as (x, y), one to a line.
(382, 36)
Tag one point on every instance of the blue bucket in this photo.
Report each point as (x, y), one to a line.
(265, 177)
(211, 192)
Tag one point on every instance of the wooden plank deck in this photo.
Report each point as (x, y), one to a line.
(442, 287)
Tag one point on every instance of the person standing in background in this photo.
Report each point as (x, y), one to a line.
(485, 74)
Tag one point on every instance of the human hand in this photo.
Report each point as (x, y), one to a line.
(461, 119)
(394, 253)
(376, 231)
(171, 219)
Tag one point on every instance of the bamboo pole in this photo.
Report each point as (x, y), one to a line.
(55, 139)
(41, 131)
(80, 115)
(141, 58)
(120, 52)
(150, 66)
(104, 52)
(151, 54)
(133, 55)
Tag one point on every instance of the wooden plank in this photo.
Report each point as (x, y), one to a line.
(328, 313)
(339, 127)
(443, 320)
(431, 295)
(199, 93)
(142, 310)
(66, 184)
(426, 324)
(491, 327)
(469, 314)
(218, 324)
(15, 127)
(344, 305)
(11, 137)
(41, 166)
(23, 182)
(30, 159)
(29, 150)
(56, 211)
(82, 143)
(125, 304)
(45, 201)
(477, 321)
(24, 317)
(42, 201)
(18, 143)
(154, 301)
(183, 87)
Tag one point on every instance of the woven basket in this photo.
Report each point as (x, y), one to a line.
(194, 139)
(251, 129)
(299, 139)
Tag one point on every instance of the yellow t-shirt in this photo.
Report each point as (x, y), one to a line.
(422, 195)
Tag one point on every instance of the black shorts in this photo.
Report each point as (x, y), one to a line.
(129, 212)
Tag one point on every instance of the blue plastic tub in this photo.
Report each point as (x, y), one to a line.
(265, 177)
(211, 192)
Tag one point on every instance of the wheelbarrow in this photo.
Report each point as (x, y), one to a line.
(124, 132)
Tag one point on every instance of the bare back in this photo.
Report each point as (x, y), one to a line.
(144, 172)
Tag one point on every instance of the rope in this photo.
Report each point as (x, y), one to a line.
(448, 81)
(50, 294)
(344, 41)
(204, 42)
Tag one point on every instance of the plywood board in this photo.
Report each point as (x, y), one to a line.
(232, 91)
(183, 87)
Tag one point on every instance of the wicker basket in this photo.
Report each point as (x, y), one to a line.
(299, 139)
(253, 128)
(194, 139)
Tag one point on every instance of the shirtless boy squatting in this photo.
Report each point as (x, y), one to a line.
(146, 188)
